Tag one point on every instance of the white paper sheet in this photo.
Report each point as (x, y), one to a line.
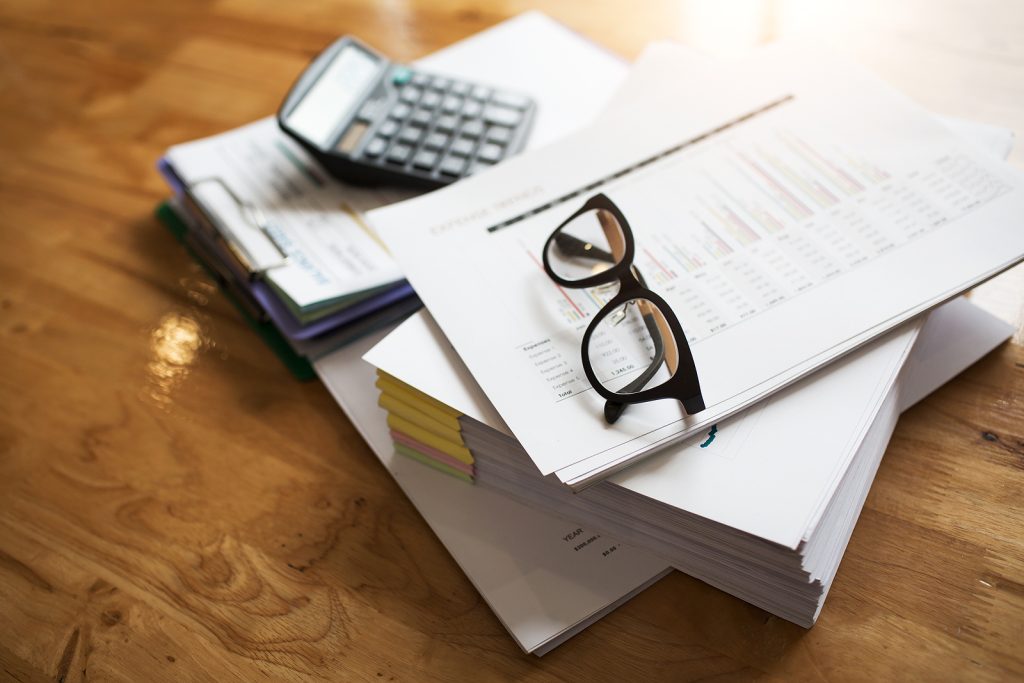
(858, 212)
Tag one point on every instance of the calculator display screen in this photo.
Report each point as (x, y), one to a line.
(326, 103)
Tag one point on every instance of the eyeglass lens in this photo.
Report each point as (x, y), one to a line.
(586, 246)
(632, 348)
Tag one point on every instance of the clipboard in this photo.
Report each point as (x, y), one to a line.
(300, 367)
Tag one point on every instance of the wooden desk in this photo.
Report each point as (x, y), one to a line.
(174, 507)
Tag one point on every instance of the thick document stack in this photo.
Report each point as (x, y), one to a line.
(321, 280)
(798, 223)
(541, 566)
(285, 240)
(528, 565)
(761, 506)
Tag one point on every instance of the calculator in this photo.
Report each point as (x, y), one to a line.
(368, 120)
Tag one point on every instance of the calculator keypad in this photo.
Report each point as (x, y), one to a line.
(438, 127)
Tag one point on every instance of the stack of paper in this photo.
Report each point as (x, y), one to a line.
(761, 506)
(285, 239)
(545, 571)
(837, 212)
(425, 429)
(528, 565)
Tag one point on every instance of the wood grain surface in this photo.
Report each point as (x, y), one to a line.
(174, 507)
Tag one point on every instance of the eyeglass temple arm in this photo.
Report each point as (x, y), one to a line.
(613, 233)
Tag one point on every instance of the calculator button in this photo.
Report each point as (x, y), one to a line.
(399, 154)
(503, 116)
(425, 159)
(436, 141)
(452, 104)
(401, 75)
(410, 94)
(442, 83)
(388, 128)
(499, 134)
(490, 152)
(376, 147)
(472, 109)
(421, 80)
(463, 147)
(511, 100)
(410, 134)
(473, 129)
(479, 166)
(460, 88)
(371, 111)
(400, 111)
(453, 166)
(480, 93)
(431, 100)
(447, 123)
(421, 117)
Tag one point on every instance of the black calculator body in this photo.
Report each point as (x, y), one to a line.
(370, 121)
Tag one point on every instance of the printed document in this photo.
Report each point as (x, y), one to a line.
(800, 211)
(313, 248)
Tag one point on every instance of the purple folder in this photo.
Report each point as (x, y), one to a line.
(292, 328)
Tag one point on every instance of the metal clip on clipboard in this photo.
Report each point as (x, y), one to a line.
(255, 256)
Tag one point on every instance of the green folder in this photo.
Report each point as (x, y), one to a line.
(296, 364)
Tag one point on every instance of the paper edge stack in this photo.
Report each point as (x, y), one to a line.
(798, 579)
(424, 428)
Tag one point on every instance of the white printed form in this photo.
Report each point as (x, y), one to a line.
(289, 219)
(800, 211)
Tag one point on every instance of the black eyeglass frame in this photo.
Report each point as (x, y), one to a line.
(684, 384)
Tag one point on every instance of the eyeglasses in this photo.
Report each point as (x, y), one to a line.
(634, 350)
